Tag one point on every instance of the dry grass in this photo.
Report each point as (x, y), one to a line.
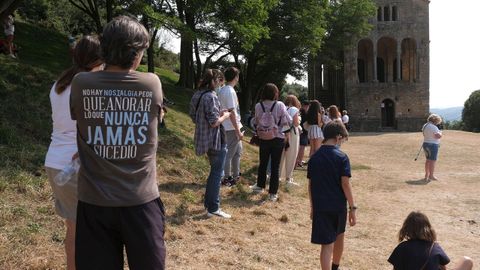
(265, 235)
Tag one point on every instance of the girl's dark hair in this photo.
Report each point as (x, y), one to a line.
(269, 92)
(209, 76)
(334, 128)
(86, 56)
(313, 111)
(123, 39)
(417, 227)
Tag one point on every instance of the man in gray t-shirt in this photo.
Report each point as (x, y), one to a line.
(117, 112)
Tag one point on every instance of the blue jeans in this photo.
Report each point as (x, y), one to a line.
(431, 150)
(212, 192)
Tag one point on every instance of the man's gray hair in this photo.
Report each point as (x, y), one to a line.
(123, 39)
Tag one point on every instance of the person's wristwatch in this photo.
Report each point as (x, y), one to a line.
(352, 208)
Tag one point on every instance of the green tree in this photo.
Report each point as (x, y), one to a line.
(153, 14)
(7, 7)
(298, 90)
(93, 8)
(471, 112)
(347, 21)
(296, 28)
(454, 125)
(213, 27)
(67, 20)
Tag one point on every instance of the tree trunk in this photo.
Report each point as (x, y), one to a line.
(96, 15)
(98, 23)
(186, 62)
(186, 49)
(109, 7)
(91, 9)
(198, 73)
(151, 51)
(7, 7)
(246, 97)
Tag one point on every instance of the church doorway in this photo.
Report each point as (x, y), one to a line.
(388, 113)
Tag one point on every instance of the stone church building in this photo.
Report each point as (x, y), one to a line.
(384, 80)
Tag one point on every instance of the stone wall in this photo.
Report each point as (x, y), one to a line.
(410, 98)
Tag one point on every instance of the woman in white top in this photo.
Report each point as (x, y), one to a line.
(334, 114)
(431, 143)
(63, 148)
(9, 30)
(292, 140)
(346, 119)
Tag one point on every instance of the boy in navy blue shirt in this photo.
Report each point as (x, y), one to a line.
(330, 189)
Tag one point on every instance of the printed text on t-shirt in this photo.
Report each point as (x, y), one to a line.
(125, 118)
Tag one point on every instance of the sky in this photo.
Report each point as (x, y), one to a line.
(454, 52)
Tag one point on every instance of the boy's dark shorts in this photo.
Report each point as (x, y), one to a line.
(327, 225)
(102, 232)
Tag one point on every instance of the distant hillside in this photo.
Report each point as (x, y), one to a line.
(449, 114)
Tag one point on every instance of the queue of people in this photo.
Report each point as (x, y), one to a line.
(113, 202)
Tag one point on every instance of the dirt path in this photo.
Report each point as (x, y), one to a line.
(387, 186)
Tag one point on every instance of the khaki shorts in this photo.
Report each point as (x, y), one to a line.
(65, 196)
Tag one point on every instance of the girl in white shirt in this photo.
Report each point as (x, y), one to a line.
(63, 148)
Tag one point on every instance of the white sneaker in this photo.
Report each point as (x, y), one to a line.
(256, 189)
(291, 182)
(273, 197)
(218, 213)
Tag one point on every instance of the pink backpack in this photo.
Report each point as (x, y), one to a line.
(267, 129)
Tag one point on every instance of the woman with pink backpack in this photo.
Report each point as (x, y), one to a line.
(270, 116)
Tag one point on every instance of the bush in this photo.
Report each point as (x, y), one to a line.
(454, 125)
(471, 112)
(167, 60)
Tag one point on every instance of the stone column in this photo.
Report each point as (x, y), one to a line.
(399, 59)
(390, 12)
(375, 79)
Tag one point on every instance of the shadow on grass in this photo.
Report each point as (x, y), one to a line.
(250, 175)
(178, 187)
(169, 143)
(240, 196)
(419, 182)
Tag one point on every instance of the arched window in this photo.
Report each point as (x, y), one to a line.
(394, 13)
(409, 60)
(386, 55)
(379, 14)
(365, 61)
(386, 14)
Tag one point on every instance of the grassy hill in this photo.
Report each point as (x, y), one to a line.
(261, 235)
